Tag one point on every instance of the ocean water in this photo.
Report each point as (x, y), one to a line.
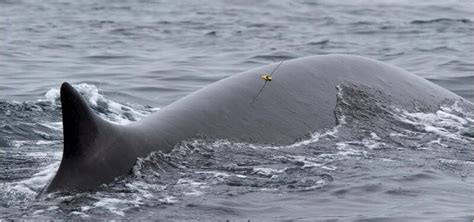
(129, 58)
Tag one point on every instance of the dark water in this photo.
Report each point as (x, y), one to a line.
(130, 57)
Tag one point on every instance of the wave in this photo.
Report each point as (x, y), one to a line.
(441, 20)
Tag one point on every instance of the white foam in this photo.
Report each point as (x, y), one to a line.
(373, 143)
(85, 208)
(184, 181)
(146, 190)
(116, 111)
(240, 176)
(52, 208)
(44, 142)
(331, 168)
(345, 150)
(77, 213)
(374, 136)
(315, 137)
(269, 189)
(37, 182)
(214, 173)
(38, 212)
(91, 93)
(52, 96)
(307, 161)
(460, 162)
(168, 199)
(268, 171)
(442, 122)
(438, 141)
(19, 143)
(192, 188)
(111, 204)
(317, 185)
(28, 189)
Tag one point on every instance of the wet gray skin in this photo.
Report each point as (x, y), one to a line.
(300, 99)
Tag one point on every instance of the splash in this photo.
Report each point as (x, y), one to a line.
(108, 109)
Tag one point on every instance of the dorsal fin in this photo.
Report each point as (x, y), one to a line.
(95, 151)
(80, 123)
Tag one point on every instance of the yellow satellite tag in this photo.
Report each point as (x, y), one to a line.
(266, 77)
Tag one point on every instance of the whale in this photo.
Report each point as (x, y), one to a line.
(276, 104)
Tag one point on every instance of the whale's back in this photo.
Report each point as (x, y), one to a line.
(299, 100)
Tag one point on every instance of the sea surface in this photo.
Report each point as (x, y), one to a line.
(130, 58)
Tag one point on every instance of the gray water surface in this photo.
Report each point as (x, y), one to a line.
(128, 58)
(153, 52)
